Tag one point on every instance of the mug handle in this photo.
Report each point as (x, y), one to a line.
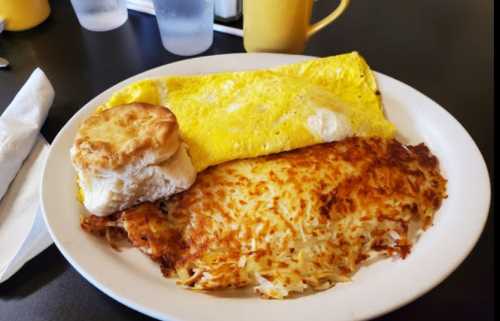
(328, 19)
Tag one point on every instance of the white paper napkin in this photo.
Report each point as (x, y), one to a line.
(22, 155)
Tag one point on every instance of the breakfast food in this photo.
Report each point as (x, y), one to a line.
(300, 179)
(128, 155)
(289, 222)
(227, 116)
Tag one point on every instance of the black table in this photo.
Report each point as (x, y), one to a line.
(443, 48)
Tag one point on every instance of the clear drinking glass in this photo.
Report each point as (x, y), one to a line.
(227, 10)
(186, 26)
(100, 15)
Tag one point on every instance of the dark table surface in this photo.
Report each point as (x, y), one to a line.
(442, 48)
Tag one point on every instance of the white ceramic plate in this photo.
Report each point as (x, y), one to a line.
(132, 279)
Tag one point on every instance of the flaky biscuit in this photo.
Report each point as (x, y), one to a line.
(126, 135)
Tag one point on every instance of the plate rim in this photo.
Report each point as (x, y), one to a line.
(162, 315)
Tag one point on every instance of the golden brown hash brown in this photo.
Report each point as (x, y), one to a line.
(291, 221)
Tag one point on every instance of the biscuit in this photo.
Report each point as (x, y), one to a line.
(128, 155)
(130, 134)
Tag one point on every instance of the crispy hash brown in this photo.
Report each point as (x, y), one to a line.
(288, 222)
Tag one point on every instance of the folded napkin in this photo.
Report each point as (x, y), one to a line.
(22, 156)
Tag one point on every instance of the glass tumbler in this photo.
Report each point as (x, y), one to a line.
(186, 27)
(100, 15)
(227, 10)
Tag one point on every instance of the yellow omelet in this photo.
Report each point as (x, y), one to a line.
(235, 115)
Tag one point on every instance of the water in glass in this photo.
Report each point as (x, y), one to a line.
(100, 15)
(186, 27)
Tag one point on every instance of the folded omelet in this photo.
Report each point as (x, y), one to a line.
(235, 115)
